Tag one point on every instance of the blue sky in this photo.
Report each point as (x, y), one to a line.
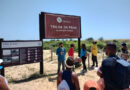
(110, 19)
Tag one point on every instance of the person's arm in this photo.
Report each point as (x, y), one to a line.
(3, 85)
(76, 81)
(59, 78)
(85, 52)
(57, 51)
(64, 51)
(99, 72)
(81, 51)
(91, 48)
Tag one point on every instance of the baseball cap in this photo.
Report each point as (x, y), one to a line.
(123, 44)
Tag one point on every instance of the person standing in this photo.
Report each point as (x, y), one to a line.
(124, 48)
(94, 51)
(83, 53)
(61, 52)
(71, 51)
(124, 51)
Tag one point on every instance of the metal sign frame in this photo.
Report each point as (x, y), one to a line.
(31, 49)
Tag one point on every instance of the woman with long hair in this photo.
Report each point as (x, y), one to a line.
(83, 53)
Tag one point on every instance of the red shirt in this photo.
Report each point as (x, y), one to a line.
(71, 52)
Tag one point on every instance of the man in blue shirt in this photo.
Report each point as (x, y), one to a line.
(61, 52)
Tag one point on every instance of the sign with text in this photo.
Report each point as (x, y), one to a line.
(60, 26)
(21, 52)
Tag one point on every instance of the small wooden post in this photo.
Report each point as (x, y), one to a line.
(51, 53)
(41, 19)
(88, 61)
(79, 47)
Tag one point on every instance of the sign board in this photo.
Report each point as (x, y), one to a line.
(59, 26)
(21, 52)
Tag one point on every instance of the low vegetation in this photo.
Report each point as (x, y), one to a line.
(100, 43)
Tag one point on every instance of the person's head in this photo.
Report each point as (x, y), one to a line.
(84, 46)
(90, 85)
(110, 49)
(123, 46)
(69, 63)
(94, 42)
(72, 45)
(61, 45)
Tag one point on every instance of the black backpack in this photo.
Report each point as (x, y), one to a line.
(116, 73)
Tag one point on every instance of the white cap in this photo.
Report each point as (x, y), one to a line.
(1, 61)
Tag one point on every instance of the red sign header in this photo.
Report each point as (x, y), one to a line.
(61, 26)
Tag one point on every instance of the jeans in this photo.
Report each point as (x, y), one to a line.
(59, 65)
(84, 62)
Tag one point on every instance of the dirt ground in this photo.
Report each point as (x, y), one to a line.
(27, 77)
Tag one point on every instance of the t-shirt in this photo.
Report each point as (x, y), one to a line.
(71, 52)
(61, 57)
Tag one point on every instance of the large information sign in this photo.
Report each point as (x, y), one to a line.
(21, 52)
(59, 26)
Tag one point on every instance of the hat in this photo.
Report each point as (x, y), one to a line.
(123, 44)
(69, 62)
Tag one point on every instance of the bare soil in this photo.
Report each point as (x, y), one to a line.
(27, 77)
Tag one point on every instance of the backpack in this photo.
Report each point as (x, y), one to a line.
(63, 85)
(123, 68)
(116, 73)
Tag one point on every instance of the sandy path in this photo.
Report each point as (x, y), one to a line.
(27, 77)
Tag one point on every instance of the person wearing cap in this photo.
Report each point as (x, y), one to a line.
(124, 51)
(94, 51)
(70, 77)
(3, 80)
(107, 69)
(124, 48)
(61, 52)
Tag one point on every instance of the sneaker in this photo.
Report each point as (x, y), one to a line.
(84, 71)
(92, 66)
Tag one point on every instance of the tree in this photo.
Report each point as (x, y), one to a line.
(90, 39)
(101, 39)
(70, 39)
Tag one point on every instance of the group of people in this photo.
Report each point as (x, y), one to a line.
(61, 52)
(106, 72)
(107, 68)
